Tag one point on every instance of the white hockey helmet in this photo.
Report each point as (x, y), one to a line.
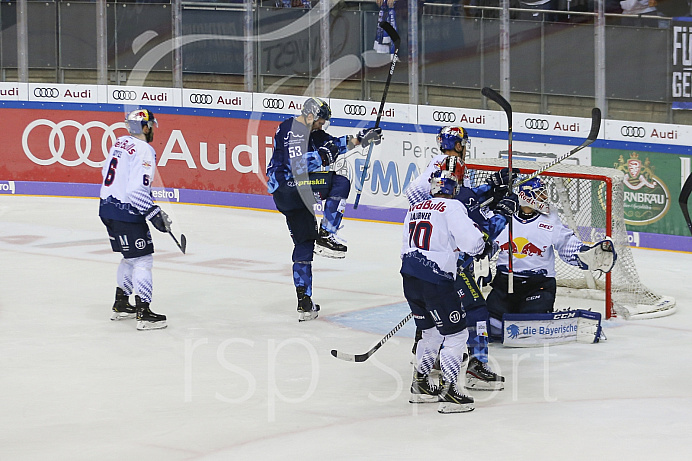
(139, 118)
(449, 179)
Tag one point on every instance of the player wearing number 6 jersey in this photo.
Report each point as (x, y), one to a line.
(125, 207)
(435, 231)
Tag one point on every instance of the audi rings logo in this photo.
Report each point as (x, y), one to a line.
(46, 92)
(355, 109)
(440, 116)
(197, 98)
(633, 131)
(82, 142)
(536, 124)
(273, 103)
(124, 95)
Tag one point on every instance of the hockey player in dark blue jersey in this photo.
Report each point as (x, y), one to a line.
(491, 219)
(297, 180)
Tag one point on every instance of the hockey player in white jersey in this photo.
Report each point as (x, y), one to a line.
(125, 207)
(435, 231)
(454, 140)
(537, 235)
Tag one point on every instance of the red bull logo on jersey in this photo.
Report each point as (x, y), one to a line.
(522, 248)
(428, 205)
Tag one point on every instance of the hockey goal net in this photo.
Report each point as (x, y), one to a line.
(590, 201)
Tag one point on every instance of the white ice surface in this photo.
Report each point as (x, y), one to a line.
(235, 376)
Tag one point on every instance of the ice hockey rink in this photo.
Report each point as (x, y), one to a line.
(235, 376)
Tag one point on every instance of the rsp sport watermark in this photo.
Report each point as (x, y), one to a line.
(285, 372)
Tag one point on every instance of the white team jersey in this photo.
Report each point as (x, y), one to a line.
(534, 242)
(127, 177)
(435, 231)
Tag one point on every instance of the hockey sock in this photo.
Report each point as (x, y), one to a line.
(333, 213)
(477, 321)
(427, 350)
(141, 277)
(452, 355)
(124, 276)
(302, 275)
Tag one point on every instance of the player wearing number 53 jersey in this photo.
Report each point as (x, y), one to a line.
(125, 207)
(435, 231)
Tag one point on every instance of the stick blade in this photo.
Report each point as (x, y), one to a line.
(183, 243)
(342, 356)
(387, 27)
(497, 97)
(595, 123)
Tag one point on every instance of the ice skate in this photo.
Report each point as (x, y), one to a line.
(307, 310)
(422, 389)
(327, 245)
(122, 309)
(146, 319)
(453, 401)
(480, 377)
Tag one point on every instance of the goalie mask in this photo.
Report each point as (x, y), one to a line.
(138, 119)
(449, 136)
(533, 194)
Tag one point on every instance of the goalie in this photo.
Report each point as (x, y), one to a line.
(538, 234)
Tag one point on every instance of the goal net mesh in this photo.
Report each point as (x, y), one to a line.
(590, 201)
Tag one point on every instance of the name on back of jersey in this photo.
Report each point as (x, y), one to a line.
(428, 205)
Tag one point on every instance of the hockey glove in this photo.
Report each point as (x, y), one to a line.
(159, 219)
(328, 153)
(601, 256)
(368, 136)
(501, 178)
(507, 206)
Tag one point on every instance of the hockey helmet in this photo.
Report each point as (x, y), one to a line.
(140, 118)
(448, 179)
(317, 107)
(450, 135)
(534, 194)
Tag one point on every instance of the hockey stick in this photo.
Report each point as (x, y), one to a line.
(183, 241)
(495, 96)
(366, 356)
(684, 195)
(593, 134)
(397, 41)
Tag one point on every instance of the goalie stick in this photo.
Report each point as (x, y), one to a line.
(366, 356)
(397, 41)
(183, 241)
(684, 195)
(495, 96)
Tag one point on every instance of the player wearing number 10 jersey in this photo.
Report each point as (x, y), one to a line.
(435, 231)
(126, 205)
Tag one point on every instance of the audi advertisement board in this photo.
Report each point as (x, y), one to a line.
(366, 111)
(657, 133)
(143, 96)
(56, 92)
(10, 91)
(552, 125)
(468, 118)
(212, 99)
(277, 103)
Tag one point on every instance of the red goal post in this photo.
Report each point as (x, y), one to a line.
(590, 201)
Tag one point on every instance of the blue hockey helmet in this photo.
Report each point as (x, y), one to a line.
(317, 107)
(534, 194)
(139, 118)
(449, 136)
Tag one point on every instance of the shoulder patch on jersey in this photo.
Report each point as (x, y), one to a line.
(146, 164)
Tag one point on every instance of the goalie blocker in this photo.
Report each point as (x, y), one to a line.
(528, 330)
